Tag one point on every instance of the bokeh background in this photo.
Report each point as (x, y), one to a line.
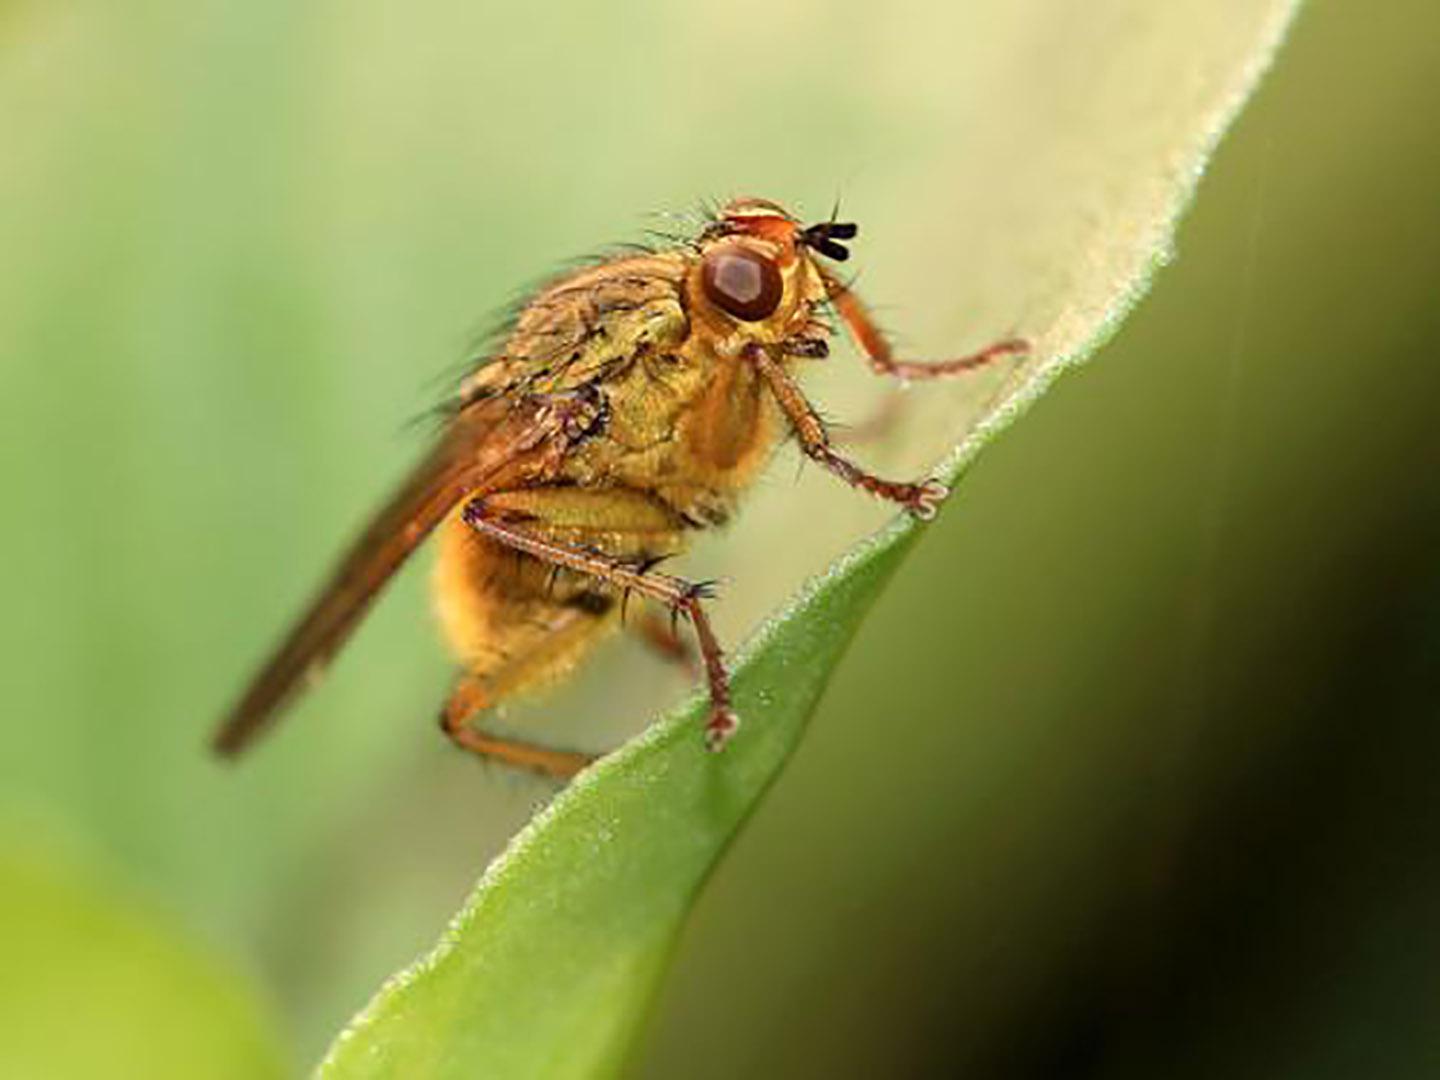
(1131, 771)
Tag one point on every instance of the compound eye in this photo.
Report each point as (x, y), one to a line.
(743, 283)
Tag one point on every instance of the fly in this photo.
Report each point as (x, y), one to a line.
(632, 404)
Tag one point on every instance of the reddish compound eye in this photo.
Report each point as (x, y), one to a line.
(742, 282)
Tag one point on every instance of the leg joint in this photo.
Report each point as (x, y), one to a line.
(475, 510)
(693, 592)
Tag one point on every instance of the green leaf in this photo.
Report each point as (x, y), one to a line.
(93, 985)
(551, 966)
(590, 895)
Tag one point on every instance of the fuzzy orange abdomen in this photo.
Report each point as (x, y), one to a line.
(507, 617)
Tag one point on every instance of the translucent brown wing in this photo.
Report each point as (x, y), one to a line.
(491, 442)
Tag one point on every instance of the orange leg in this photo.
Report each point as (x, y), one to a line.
(876, 427)
(655, 631)
(470, 697)
(680, 596)
(921, 499)
(868, 336)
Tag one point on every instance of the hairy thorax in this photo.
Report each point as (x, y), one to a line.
(681, 422)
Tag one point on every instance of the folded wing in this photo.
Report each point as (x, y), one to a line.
(494, 441)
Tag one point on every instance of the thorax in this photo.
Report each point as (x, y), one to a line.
(693, 428)
(684, 421)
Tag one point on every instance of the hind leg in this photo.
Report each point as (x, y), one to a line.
(474, 694)
(561, 764)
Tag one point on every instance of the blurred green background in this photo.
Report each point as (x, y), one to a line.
(1129, 774)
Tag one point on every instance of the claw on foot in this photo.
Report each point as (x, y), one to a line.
(925, 503)
(719, 728)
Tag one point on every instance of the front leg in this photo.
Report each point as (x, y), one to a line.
(922, 500)
(882, 359)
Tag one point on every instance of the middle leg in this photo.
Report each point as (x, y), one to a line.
(882, 358)
(508, 525)
(657, 632)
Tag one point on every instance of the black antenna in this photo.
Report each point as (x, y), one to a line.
(825, 237)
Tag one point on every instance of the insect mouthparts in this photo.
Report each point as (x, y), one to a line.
(824, 238)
